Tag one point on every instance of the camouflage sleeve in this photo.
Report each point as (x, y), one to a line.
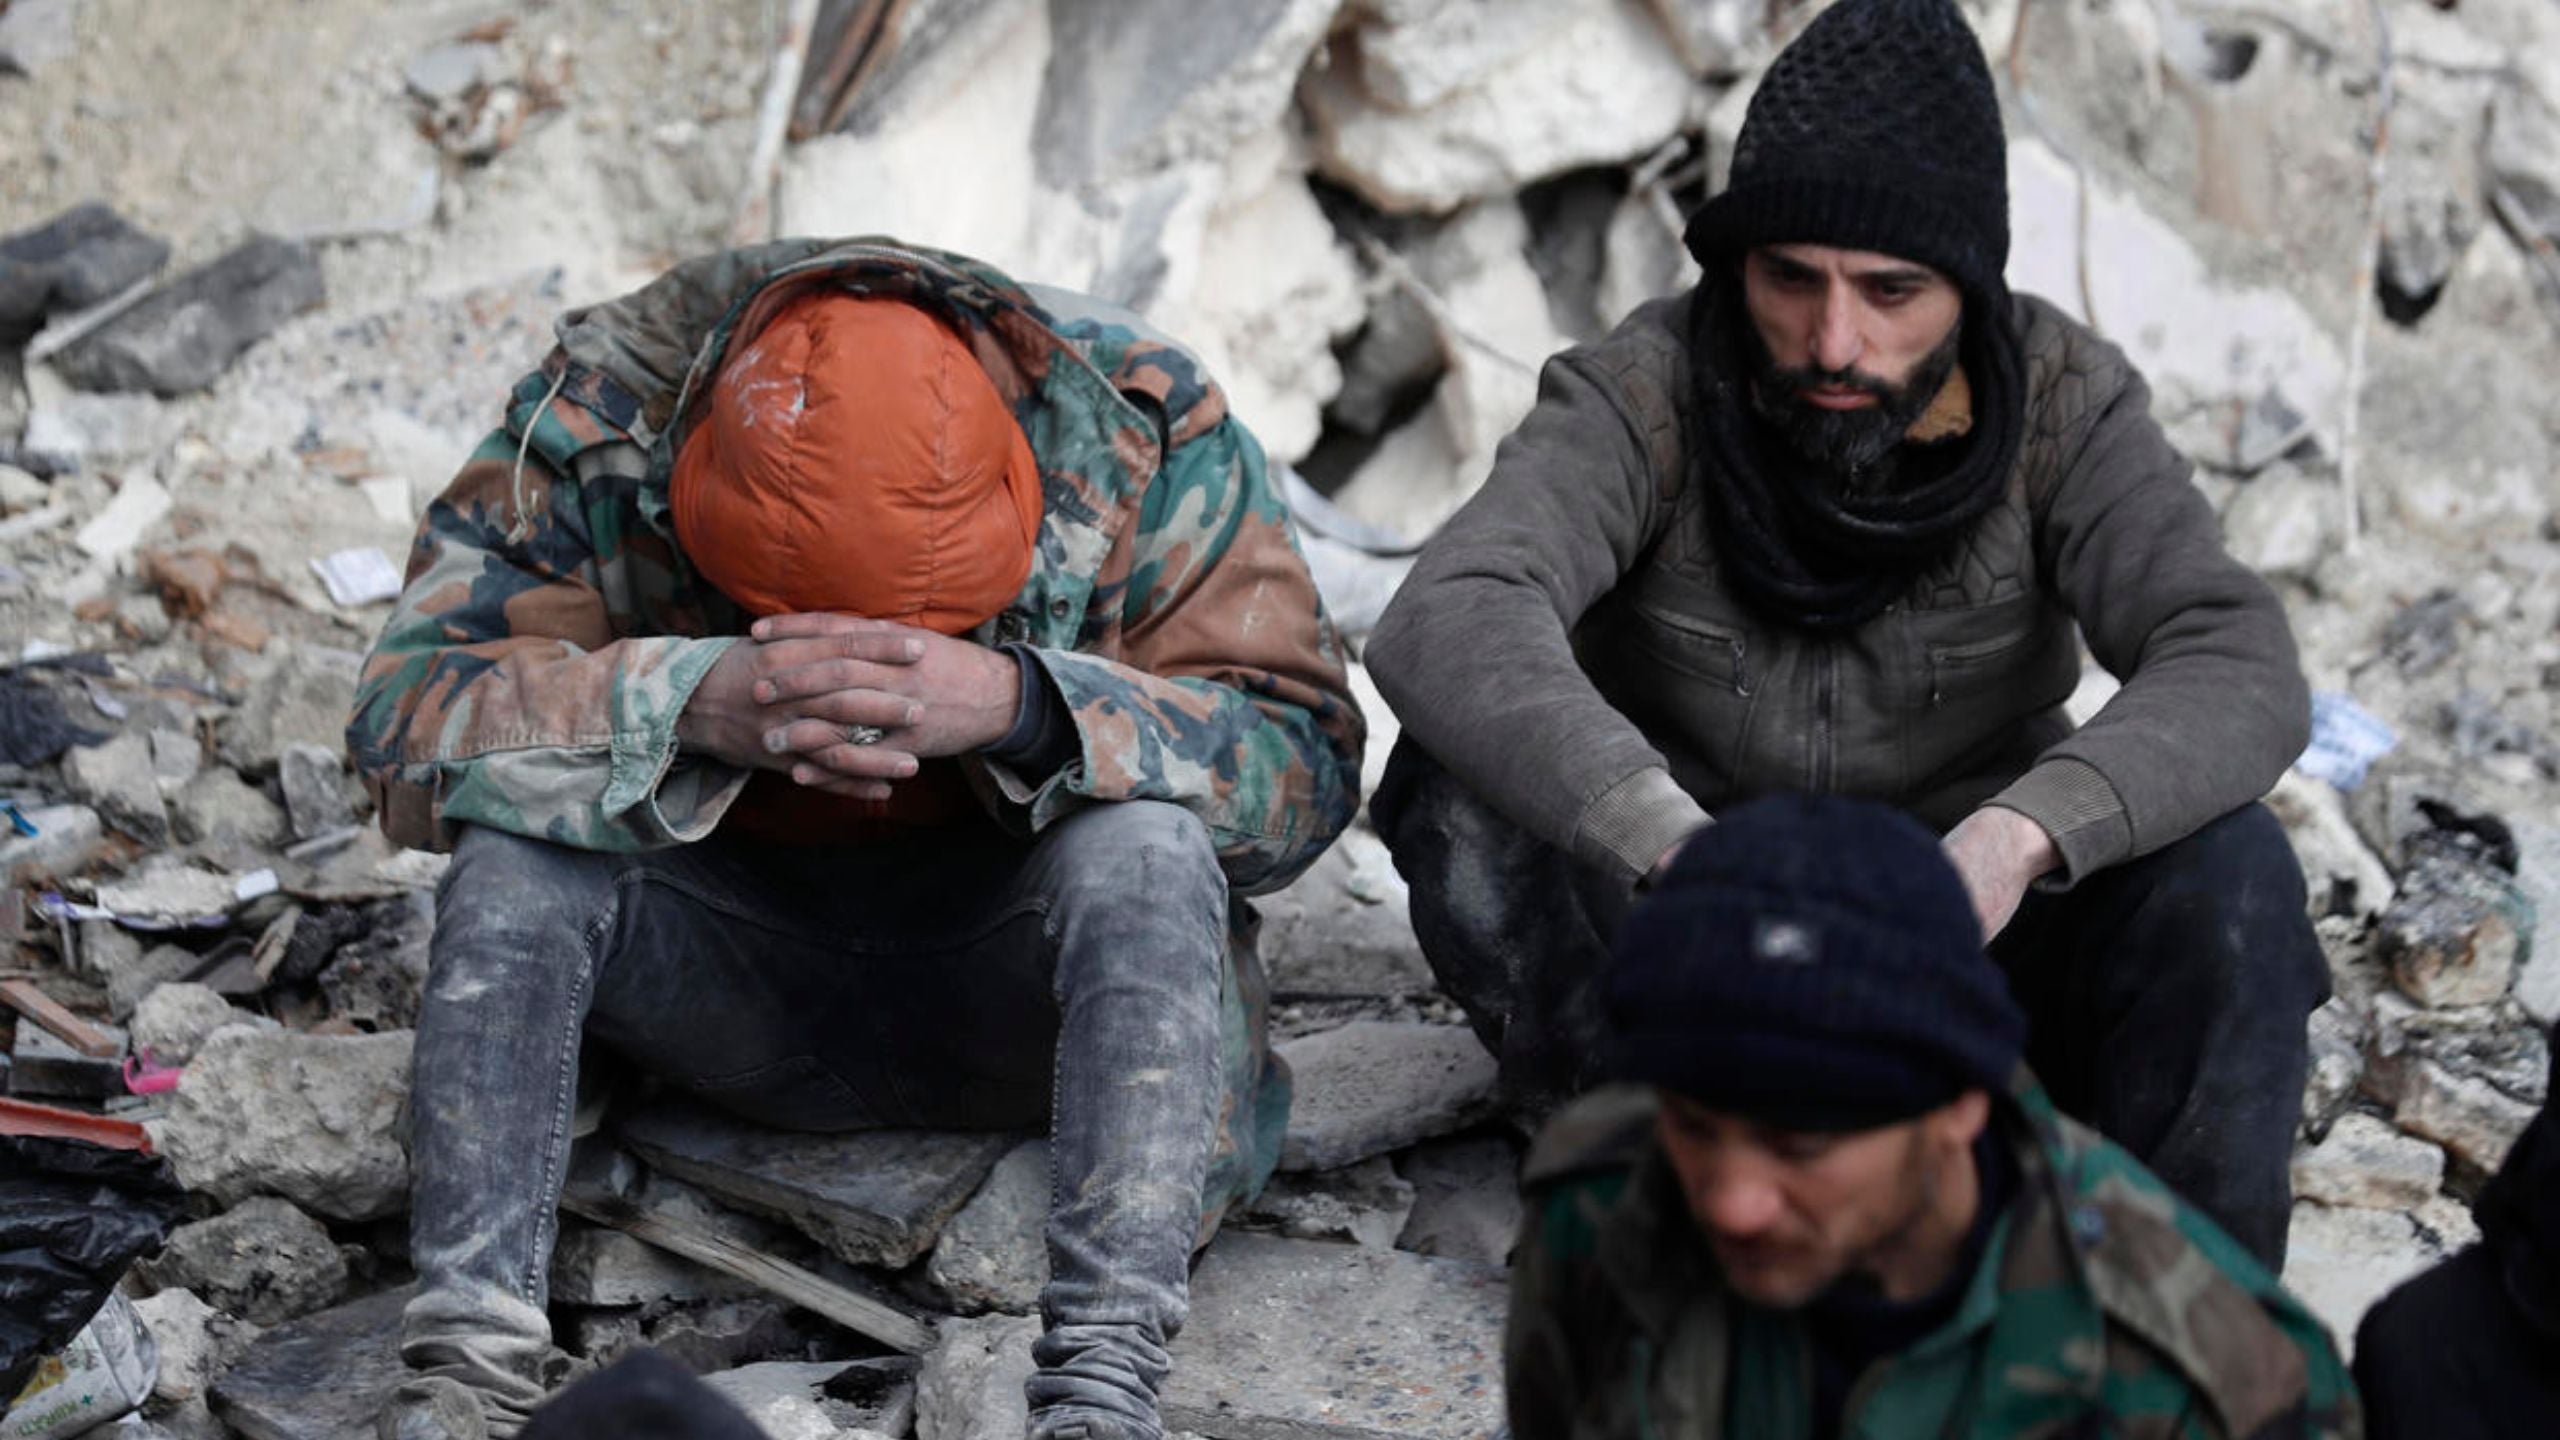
(1230, 697)
(499, 693)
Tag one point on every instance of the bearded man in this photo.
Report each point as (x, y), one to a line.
(1838, 519)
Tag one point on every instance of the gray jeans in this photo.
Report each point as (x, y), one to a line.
(956, 981)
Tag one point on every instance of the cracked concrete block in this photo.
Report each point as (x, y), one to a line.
(993, 1255)
(217, 805)
(1366, 1204)
(971, 1385)
(262, 1260)
(304, 699)
(118, 780)
(314, 1118)
(1374, 1086)
(874, 1198)
(1297, 1339)
(323, 1377)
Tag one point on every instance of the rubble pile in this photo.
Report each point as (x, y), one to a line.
(249, 326)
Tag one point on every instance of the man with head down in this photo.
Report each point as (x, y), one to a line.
(1828, 1199)
(856, 689)
(1839, 520)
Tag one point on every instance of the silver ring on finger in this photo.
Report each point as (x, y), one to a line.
(863, 734)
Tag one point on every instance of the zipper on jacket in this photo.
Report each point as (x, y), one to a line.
(1826, 687)
(1707, 632)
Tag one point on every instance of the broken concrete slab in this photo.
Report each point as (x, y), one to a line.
(37, 33)
(2367, 1162)
(1602, 87)
(993, 1255)
(322, 1377)
(131, 981)
(596, 1265)
(263, 1260)
(116, 779)
(315, 792)
(218, 806)
(1466, 1203)
(1215, 76)
(181, 337)
(317, 1119)
(873, 1198)
(197, 1342)
(67, 838)
(84, 256)
(174, 1020)
(971, 1385)
(725, 1334)
(800, 1397)
(1366, 1204)
(46, 1066)
(2339, 1260)
(304, 699)
(170, 892)
(1373, 1086)
(1296, 1340)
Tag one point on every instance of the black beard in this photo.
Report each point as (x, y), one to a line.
(1846, 444)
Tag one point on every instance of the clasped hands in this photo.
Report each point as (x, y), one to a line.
(801, 691)
(1996, 851)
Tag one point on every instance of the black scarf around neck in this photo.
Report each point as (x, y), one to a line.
(1801, 547)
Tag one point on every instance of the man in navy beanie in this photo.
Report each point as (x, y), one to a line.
(1828, 1199)
(1841, 518)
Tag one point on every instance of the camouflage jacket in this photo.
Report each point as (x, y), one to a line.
(550, 632)
(2103, 1306)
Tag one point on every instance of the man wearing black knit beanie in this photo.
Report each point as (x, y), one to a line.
(1839, 519)
(1829, 1200)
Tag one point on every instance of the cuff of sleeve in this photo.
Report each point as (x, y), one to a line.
(2079, 808)
(650, 788)
(1632, 822)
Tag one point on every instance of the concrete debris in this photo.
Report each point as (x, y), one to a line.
(182, 336)
(1337, 1342)
(1466, 1200)
(1366, 1204)
(727, 1333)
(134, 978)
(2339, 1260)
(789, 1401)
(2342, 875)
(2366, 1161)
(2281, 523)
(594, 1265)
(66, 838)
(85, 256)
(303, 700)
(2456, 933)
(316, 1119)
(322, 1377)
(35, 34)
(1343, 928)
(1215, 78)
(993, 1255)
(1600, 87)
(218, 805)
(43, 1065)
(197, 1343)
(1375, 1086)
(2337, 1040)
(448, 73)
(170, 894)
(2474, 1120)
(174, 1020)
(262, 1260)
(971, 1385)
(872, 1198)
(21, 492)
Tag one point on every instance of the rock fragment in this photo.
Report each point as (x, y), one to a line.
(67, 838)
(1374, 1086)
(1466, 1200)
(2456, 933)
(313, 1118)
(2473, 1119)
(873, 1198)
(303, 700)
(116, 778)
(1337, 1342)
(174, 1021)
(322, 1377)
(218, 806)
(84, 256)
(992, 1256)
(181, 337)
(1366, 1204)
(315, 793)
(2365, 1161)
(263, 1260)
(197, 1342)
(971, 1385)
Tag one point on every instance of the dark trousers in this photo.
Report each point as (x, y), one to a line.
(2448, 1356)
(2167, 996)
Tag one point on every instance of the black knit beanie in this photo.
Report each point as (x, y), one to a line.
(1813, 963)
(1877, 129)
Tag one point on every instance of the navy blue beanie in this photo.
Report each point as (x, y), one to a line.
(1815, 964)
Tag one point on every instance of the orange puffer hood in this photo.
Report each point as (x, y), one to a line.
(854, 458)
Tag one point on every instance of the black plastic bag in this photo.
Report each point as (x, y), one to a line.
(73, 1215)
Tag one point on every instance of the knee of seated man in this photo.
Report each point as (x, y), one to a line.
(516, 883)
(1142, 850)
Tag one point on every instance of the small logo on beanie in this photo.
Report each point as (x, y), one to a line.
(1784, 942)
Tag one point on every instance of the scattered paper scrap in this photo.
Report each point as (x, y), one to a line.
(359, 576)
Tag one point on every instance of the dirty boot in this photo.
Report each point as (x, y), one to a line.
(431, 1407)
